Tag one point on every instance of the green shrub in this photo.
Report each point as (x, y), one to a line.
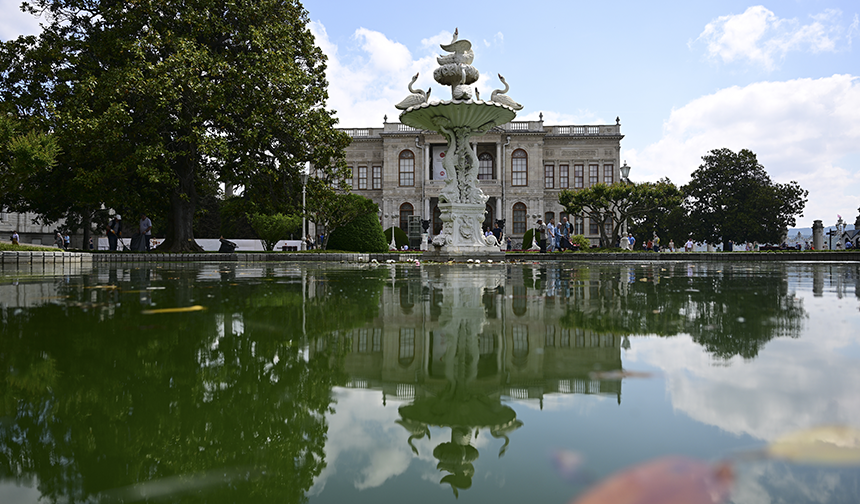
(364, 234)
(580, 240)
(273, 228)
(400, 238)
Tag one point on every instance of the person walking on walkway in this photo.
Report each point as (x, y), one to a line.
(145, 230)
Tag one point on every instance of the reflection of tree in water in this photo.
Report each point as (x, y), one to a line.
(95, 396)
(730, 309)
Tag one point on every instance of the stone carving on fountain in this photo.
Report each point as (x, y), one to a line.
(461, 202)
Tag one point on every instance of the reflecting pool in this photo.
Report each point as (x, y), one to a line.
(332, 383)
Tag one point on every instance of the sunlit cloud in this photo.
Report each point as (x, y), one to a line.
(804, 130)
(760, 37)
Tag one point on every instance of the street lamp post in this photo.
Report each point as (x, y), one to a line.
(625, 172)
(304, 173)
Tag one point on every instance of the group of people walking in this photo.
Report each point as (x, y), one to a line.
(554, 237)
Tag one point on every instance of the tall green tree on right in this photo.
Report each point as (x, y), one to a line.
(731, 197)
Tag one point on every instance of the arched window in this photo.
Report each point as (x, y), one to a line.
(407, 168)
(519, 168)
(486, 170)
(405, 213)
(519, 226)
(548, 216)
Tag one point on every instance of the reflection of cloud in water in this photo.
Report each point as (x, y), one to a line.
(364, 430)
(776, 482)
(792, 384)
(355, 428)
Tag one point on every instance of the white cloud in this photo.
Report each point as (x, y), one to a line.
(761, 37)
(365, 84)
(804, 130)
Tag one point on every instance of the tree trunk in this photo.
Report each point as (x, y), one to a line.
(180, 221)
(87, 223)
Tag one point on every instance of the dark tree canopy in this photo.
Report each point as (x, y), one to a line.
(618, 202)
(152, 99)
(731, 197)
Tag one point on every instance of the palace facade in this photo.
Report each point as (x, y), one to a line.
(523, 165)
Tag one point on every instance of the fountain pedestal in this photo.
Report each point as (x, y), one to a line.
(462, 235)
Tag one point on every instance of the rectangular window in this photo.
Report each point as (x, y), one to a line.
(593, 174)
(485, 167)
(362, 177)
(577, 176)
(519, 171)
(377, 177)
(593, 226)
(578, 225)
(407, 171)
(607, 226)
(549, 176)
(563, 176)
(608, 170)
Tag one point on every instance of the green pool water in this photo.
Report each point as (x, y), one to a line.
(334, 383)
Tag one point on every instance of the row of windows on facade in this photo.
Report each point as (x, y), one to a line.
(487, 171)
(370, 341)
(519, 221)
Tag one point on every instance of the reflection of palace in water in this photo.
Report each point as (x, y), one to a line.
(522, 350)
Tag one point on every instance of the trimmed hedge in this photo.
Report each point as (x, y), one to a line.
(527, 239)
(364, 234)
(400, 238)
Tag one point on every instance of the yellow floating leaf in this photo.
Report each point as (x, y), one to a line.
(175, 310)
(833, 444)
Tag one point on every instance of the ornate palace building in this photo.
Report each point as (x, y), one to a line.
(523, 165)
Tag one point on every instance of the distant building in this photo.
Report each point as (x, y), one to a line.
(25, 223)
(523, 165)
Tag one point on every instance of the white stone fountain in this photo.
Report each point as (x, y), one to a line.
(462, 203)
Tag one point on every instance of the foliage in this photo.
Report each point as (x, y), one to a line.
(580, 240)
(400, 238)
(149, 100)
(273, 228)
(331, 210)
(731, 314)
(234, 219)
(211, 407)
(619, 202)
(363, 234)
(669, 223)
(731, 197)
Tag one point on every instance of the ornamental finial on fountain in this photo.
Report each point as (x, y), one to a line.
(456, 69)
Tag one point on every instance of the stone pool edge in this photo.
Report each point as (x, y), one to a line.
(15, 258)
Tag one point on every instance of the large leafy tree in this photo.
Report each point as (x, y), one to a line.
(731, 197)
(153, 98)
(617, 203)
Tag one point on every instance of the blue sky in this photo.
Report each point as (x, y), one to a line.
(779, 78)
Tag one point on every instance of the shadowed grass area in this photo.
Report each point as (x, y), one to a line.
(8, 247)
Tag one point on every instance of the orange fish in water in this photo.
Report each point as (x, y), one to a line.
(668, 480)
